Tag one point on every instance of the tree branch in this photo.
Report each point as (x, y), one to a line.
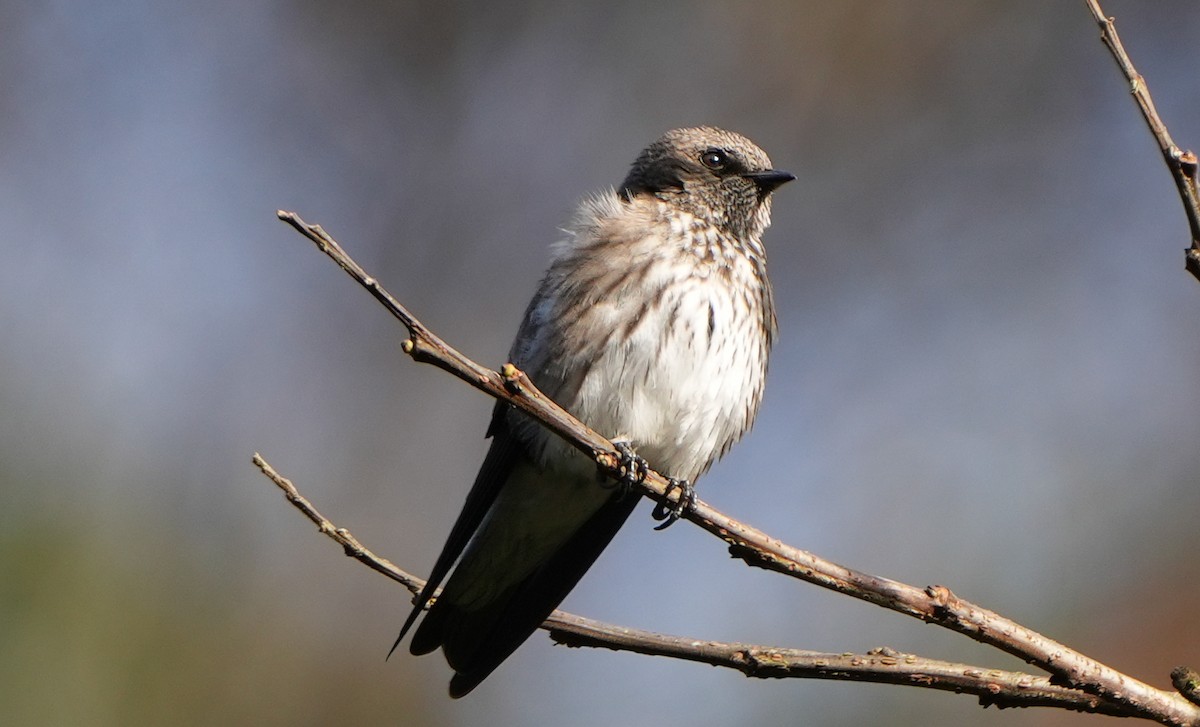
(1181, 163)
(993, 687)
(935, 604)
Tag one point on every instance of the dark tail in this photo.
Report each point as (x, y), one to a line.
(477, 641)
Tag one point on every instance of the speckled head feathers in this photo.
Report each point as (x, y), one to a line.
(717, 175)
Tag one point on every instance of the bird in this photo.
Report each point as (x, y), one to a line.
(652, 325)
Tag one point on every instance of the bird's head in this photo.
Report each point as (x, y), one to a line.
(715, 175)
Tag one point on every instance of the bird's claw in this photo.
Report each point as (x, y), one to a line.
(669, 512)
(633, 467)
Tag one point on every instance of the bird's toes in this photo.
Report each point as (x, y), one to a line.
(669, 512)
(633, 468)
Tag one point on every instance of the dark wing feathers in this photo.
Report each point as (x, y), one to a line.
(501, 456)
(476, 642)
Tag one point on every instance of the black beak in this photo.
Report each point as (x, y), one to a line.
(769, 180)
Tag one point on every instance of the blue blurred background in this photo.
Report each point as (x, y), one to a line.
(987, 374)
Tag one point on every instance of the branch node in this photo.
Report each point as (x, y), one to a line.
(751, 557)
(1187, 161)
(1192, 261)
(1187, 682)
(1181, 164)
(940, 596)
(886, 652)
(606, 460)
(513, 377)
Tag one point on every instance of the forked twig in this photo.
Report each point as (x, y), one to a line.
(1182, 163)
(1093, 686)
(993, 687)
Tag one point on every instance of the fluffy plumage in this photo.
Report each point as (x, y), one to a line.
(652, 324)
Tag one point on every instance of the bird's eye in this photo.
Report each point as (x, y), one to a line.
(714, 159)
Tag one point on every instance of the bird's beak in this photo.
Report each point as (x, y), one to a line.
(769, 180)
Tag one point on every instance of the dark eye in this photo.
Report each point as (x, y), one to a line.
(714, 159)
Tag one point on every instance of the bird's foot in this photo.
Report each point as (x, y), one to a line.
(669, 512)
(633, 468)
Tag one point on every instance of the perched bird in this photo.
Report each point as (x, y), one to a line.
(652, 325)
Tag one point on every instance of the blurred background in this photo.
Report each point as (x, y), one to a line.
(987, 373)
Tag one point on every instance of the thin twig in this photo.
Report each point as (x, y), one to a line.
(341, 536)
(993, 687)
(935, 604)
(1181, 163)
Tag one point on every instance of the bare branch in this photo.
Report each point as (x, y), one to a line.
(935, 604)
(993, 687)
(341, 536)
(1181, 163)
